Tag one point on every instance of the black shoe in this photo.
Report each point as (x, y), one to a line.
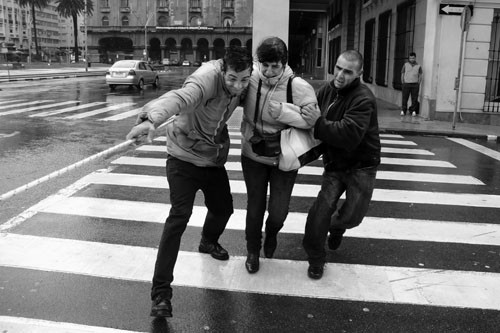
(161, 307)
(270, 244)
(252, 263)
(335, 239)
(315, 272)
(214, 249)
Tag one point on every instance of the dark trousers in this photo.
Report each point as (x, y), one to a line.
(258, 177)
(410, 90)
(323, 215)
(185, 179)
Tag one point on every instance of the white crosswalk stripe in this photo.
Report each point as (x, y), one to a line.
(70, 109)
(36, 108)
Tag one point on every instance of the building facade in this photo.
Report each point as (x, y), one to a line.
(194, 30)
(456, 42)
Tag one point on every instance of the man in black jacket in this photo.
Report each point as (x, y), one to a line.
(349, 128)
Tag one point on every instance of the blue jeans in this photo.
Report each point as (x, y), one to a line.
(258, 177)
(323, 215)
(185, 179)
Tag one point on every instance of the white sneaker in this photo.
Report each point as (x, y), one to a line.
(413, 114)
(402, 113)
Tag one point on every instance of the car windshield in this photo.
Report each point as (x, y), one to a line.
(124, 64)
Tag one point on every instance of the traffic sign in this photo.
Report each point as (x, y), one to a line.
(453, 9)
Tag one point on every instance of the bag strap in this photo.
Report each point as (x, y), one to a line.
(256, 114)
(289, 97)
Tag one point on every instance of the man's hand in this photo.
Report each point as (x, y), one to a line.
(275, 109)
(142, 132)
(310, 113)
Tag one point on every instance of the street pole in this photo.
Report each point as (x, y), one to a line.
(146, 33)
(85, 25)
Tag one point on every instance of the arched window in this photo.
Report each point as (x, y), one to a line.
(105, 21)
(125, 21)
(228, 22)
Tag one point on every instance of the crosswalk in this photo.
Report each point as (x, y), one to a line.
(392, 258)
(98, 111)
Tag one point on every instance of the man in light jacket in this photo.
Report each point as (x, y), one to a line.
(197, 147)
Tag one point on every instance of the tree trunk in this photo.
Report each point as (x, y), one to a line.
(75, 34)
(34, 29)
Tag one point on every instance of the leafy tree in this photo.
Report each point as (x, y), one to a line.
(40, 4)
(73, 8)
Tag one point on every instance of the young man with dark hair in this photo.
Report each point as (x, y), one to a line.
(197, 147)
(348, 127)
(411, 77)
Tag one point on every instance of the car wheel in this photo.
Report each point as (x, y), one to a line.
(140, 85)
(112, 86)
(156, 82)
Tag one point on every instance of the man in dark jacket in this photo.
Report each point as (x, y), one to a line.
(348, 127)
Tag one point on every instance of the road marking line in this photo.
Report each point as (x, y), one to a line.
(36, 108)
(372, 227)
(123, 115)
(384, 160)
(4, 135)
(11, 101)
(19, 324)
(73, 108)
(306, 190)
(394, 285)
(481, 149)
(99, 111)
(409, 151)
(398, 142)
(318, 171)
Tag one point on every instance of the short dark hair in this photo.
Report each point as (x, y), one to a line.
(237, 58)
(272, 49)
(353, 55)
(413, 54)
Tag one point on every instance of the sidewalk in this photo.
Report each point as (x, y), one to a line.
(389, 117)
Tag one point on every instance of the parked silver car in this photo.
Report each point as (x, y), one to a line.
(133, 73)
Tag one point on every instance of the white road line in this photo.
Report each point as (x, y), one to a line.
(26, 103)
(481, 149)
(410, 151)
(389, 150)
(416, 162)
(318, 171)
(306, 190)
(398, 142)
(27, 325)
(4, 135)
(99, 111)
(72, 108)
(392, 136)
(122, 115)
(38, 107)
(384, 160)
(394, 285)
(372, 227)
(11, 101)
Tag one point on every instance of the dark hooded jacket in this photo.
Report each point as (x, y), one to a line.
(348, 127)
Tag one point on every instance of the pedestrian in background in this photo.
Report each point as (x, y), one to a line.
(197, 147)
(411, 77)
(267, 111)
(348, 126)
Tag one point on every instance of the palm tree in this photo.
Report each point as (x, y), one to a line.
(73, 8)
(40, 4)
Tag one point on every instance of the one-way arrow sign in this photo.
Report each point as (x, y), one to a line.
(452, 9)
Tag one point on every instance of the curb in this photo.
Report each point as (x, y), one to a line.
(483, 137)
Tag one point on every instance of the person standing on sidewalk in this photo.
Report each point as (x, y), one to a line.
(348, 126)
(272, 104)
(411, 77)
(197, 148)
